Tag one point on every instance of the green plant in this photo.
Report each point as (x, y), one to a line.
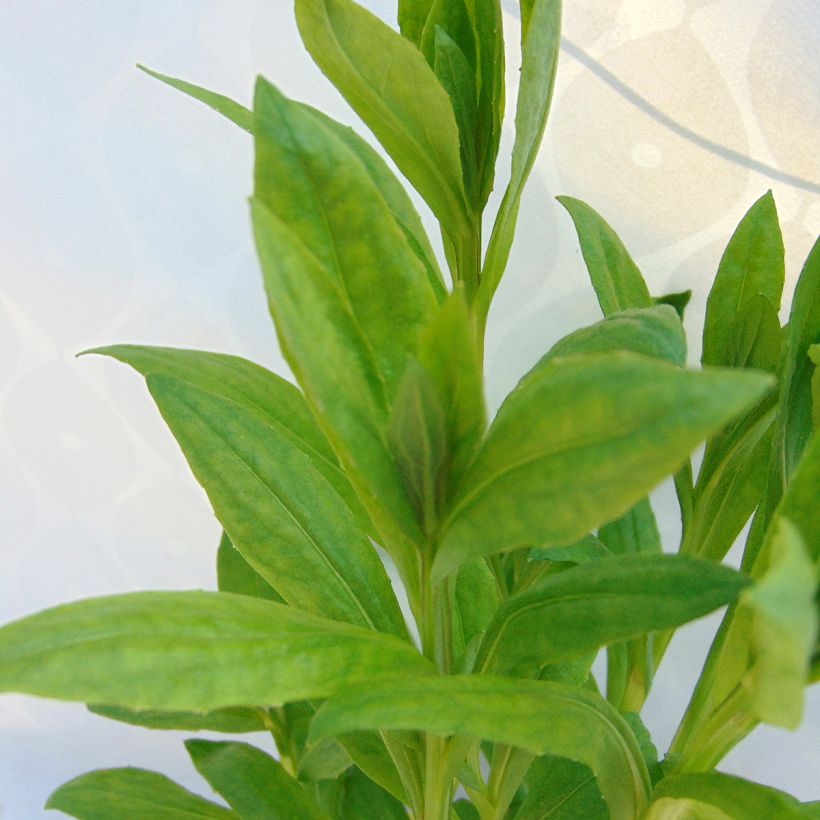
(491, 528)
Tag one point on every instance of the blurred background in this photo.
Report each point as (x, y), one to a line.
(123, 219)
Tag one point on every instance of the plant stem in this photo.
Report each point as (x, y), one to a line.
(437, 781)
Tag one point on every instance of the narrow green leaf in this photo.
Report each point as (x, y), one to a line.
(814, 356)
(476, 600)
(578, 442)
(794, 423)
(716, 796)
(347, 293)
(251, 782)
(731, 483)
(274, 399)
(195, 651)
(540, 46)
(363, 798)
(629, 665)
(755, 337)
(799, 505)
(588, 548)
(759, 662)
(370, 751)
(412, 17)
(654, 331)
(452, 19)
(235, 574)
(784, 629)
(230, 109)
(678, 301)
(387, 81)
(131, 794)
(327, 760)
(491, 72)
(390, 188)
(618, 283)
(233, 721)
(560, 789)
(753, 263)
(612, 599)
(448, 350)
(418, 441)
(634, 532)
(285, 519)
(457, 76)
(537, 716)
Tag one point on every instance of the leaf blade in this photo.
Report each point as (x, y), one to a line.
(191, 651)
(251, 782)
(279, 512)
(358, 52)
(615, 277)
(540, 48)
(538, 716)
(601, 602)
(137, 794)
(573, 417)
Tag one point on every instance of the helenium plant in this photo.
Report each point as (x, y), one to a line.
(525, 544)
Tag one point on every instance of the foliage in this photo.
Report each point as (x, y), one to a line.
(525, 546)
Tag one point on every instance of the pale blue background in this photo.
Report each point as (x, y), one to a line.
(123, 218)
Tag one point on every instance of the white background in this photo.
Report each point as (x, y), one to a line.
(123, 219)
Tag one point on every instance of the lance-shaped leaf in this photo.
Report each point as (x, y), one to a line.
(389, 84)
(233, 721)
(618, 283)
(133, 793)
(457, 76)
(560, 789)
(348, 296)
(635, 531)
(814, 356)
(361, 797)
(759, 662)
(716, 796)
(784, 629)
(731, 483)
(230, 109)
(753, 263)
(419, 443)
(448, 351)
(733, 475)
(252, 782)
(194, 651)
(794, 423)
(491, 63)
(412, 17)
(540, 40)
(476, 600)
(589, 548)
(629, 665)
(285, 519)
(537, 716)
(755, 336)
(385, 180)
(578, 442)
(463, 42)
(588, 606)
(654, 331)
(258, 390)
(235, 574)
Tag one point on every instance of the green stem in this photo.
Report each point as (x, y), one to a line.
(437, 781)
